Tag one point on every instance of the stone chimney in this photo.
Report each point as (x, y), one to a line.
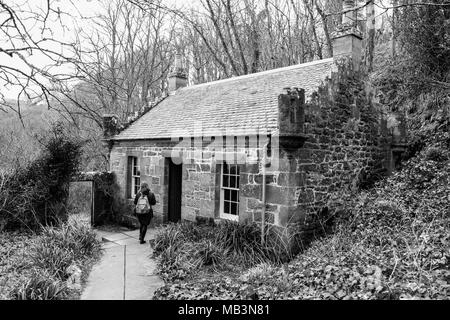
(178, 76)
(110, 125)
(347, 39)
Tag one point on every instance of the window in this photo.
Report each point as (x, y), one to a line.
(135, 176)
(229, 192)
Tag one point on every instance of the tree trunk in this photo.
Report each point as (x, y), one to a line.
(394, 29)
(325, 30)
(370, 37)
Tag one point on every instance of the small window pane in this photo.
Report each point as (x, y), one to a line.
(234, 208)
(237, 185)
(233, 169)
(233, 182)
(234, 195)
(226, 206)
(136, 167)
(137, 183)
(225, 180)
(227, 195)
(225, 168)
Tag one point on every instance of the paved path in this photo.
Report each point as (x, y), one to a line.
(125, 271)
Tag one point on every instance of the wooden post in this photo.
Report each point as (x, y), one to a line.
(263, 212)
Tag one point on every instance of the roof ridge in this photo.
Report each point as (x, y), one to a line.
(261, 73)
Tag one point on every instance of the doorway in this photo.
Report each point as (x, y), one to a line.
(80, 203)
(175, 177)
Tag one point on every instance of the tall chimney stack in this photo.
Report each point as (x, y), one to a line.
(178, 76)
(347, 40)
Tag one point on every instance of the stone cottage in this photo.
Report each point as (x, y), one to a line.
(276, 144)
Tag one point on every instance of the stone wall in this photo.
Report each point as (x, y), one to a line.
(200, 175)
(153, 171)
(198, 187)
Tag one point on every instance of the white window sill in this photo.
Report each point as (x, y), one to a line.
(231, 217)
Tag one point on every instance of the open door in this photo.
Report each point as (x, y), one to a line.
(175, 177)
(81, 201)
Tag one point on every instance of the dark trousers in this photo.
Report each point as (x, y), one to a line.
(144, 221)
(142, 231)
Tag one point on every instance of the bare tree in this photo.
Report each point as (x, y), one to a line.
(253, 35)
(27, 31)
(370, 36)
(128, 61)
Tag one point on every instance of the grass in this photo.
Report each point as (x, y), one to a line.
(51, 264)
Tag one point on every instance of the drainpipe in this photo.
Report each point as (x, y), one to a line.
(263, 213)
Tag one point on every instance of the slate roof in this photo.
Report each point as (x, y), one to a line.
(237, 106)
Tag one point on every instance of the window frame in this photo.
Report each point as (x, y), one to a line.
(222, 214)
(135, 163)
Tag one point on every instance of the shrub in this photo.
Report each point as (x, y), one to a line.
(55, 249)
(210, 253)
(436, 154)
(185, 247)
(177, 262)
(48, 255)
(74, 235)
(36, 194)
(40, 286)
(244, 242)
(173, 234)
(49, 260)
(169, 236)
(182, 248)
(259, 272)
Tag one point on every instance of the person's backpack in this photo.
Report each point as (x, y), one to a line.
(143, 206)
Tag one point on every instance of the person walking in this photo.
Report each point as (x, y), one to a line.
(143, 202)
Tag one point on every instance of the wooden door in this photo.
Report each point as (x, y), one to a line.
(175, 177)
